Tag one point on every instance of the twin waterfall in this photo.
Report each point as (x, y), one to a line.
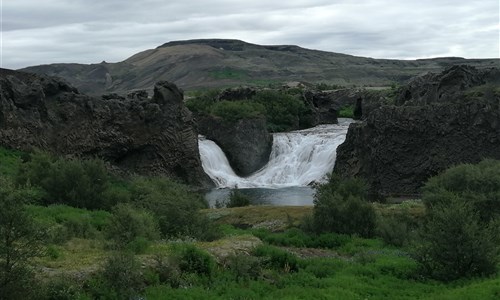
(298, 158)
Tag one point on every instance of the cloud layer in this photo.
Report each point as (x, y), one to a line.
(89, 31)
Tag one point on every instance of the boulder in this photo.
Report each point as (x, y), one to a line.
(154, 137)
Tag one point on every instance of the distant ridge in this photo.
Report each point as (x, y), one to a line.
(207, 63)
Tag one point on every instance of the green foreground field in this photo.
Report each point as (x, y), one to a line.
(345, 267)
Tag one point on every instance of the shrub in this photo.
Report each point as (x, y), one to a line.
(277, 259)
(168, 271)
(460, 237)
(233, 111)
(119, 279)
(61, 289)
(243, 267)
(283, 111)
(477, 184)
(131, 227)
(194, 260)
(454, 243)
(79, 183)
(396, 230)
(175, 207)
(65, 222)
(20, 241)
(346, 112)
(238, 199)
(340, 206)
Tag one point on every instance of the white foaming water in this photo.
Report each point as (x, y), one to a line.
(298, 158)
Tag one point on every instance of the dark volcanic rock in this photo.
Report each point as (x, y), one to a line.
(240, 93)
(443, 87)
(325, 105)
(324, 109)
(398, 148)
(154, 136)
(246, 143)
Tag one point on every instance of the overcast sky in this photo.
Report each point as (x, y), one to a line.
(90, 31)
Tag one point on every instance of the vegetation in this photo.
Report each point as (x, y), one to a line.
(461, 237)
(79, 183)
(238, 199)
(20, 242)
(346, 112)
(283, 110)
(152, 244)
(233, 111)
(341, 206)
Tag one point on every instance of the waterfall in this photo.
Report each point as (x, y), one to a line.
(297, 158)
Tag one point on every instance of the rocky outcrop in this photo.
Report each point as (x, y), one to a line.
(325, 105)
(323, 109)
(437, 124)
(246, 143)
(239, 93)
(150, 136)
(444, 87)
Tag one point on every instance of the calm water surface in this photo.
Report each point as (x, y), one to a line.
(288, 196)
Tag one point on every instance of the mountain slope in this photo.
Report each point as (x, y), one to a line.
(197, 64)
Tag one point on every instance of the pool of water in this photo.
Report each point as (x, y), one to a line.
(287, 196)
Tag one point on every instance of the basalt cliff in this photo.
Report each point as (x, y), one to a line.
(154, 136)
(436, 121)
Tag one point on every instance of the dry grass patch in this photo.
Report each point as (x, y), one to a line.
(274, 218)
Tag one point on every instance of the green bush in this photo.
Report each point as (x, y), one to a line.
(79, 183)
(61, 288)
(10, 160)
(478, 184)
(340, 206)
(233, 111)
(238, 199)
(65, 222)
(243, 267)
(194, 260)
(202, 102)
(168, 270)
(20, 241)
(283, 111)
(460, 237)
(346, 112)
(455, 244)
(131, 227)
(277, 259)
(119, 279)
(175, 207)
(396, 230)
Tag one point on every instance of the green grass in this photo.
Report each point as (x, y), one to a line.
(388, 276)
(360, 269)
(60, 214)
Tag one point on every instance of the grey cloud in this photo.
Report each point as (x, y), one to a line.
(88, 31)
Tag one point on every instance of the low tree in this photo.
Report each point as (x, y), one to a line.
(341, 206)
(129, 225)
(460, 236)
(20, 241)
(238, 199)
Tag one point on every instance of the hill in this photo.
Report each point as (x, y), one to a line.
(195, 64)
